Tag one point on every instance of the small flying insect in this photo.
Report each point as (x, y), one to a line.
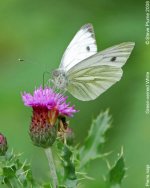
(20, 60)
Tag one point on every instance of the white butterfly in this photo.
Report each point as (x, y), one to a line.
(85, 73)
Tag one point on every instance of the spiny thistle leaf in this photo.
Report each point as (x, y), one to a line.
(117, 173)
(95, 139)
(69, 175)
(14, 173)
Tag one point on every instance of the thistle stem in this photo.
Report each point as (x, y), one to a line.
(52, 167)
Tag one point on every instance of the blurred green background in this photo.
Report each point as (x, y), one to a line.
(39, 31)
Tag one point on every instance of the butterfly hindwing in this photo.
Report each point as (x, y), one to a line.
(94, 75)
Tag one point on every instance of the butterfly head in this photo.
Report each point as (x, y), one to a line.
(59, 79)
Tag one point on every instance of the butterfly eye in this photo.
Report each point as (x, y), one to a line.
(56, 73)
(88, 48)
(113, 59)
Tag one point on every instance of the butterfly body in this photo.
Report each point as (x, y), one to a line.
(86, 73)
(59, 79)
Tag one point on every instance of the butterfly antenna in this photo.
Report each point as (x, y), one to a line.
(49, 82)
(44, 73)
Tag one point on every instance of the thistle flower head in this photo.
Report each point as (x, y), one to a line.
(47, 107)
(3, 144)
(49, 99)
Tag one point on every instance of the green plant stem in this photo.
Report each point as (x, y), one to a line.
(52, 167)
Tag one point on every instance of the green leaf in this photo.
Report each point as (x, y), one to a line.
(46, 185)
(117, 173)
(69, 175)
(95, 140)
(14, 173)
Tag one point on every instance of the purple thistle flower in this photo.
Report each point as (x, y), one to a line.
(49, 99)
(47, 106)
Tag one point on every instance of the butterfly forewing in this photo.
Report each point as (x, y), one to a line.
(113, 56)
(82, 46)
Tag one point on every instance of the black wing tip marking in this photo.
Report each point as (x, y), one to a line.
(88, 27)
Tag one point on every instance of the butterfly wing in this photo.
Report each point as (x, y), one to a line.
(94, 75)
(82, 46)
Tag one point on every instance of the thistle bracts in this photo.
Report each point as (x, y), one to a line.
(43, 131)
